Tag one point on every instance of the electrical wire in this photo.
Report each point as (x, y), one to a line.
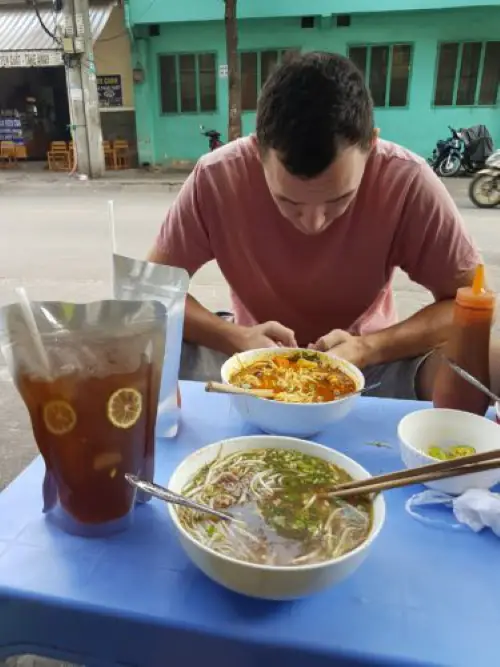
(46, 30)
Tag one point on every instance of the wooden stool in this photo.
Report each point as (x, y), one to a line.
(59, 157)
(122, 154)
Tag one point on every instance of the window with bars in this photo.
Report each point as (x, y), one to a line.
(468, 74)
(386, 68)
(188, 83)
(255, 67)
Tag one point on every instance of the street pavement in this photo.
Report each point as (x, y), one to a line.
(55, 240)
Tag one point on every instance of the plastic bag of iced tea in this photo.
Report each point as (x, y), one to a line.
(92, 404)
(137, 279)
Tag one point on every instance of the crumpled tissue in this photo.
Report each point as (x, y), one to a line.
(476, 509)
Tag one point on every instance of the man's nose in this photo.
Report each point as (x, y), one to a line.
(313, 218)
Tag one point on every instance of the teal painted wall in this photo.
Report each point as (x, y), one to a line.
(165, 138)
(145, 11)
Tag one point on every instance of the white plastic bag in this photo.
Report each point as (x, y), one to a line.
(475, 509)
(478, 509)
(137, 279)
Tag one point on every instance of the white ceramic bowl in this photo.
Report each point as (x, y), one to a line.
(301, 420)
(419, 430)
(265, 581)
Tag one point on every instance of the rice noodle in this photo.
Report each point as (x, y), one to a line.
(279, 519)
(299, 377)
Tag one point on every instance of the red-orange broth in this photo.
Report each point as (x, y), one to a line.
(301, 377)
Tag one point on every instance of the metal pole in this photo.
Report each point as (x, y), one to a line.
(82, 89)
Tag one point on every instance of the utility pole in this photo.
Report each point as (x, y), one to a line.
(82, 88)
(234, 79)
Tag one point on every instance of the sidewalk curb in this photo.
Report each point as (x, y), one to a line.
(172, 185)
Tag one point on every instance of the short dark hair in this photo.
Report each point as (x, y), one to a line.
(312, 106)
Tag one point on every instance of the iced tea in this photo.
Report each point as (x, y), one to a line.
(93, 398)
(91, 430)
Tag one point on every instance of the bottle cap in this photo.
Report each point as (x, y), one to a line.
(477, 296)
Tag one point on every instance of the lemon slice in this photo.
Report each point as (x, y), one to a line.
(59, 417)
(124, 407)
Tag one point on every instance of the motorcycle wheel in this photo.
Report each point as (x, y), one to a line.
(450, 166)
(484, 191)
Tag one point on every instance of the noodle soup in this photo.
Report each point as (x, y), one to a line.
(299, 377)
(281, 518)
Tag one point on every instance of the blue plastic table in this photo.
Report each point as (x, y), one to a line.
(424, 596)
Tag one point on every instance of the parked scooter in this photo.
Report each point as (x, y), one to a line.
(484, 189)
(214, 140)
(446, 158)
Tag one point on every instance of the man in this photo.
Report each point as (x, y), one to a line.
(308, 221)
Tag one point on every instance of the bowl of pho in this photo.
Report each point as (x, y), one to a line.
(311, 389)
(285, 540)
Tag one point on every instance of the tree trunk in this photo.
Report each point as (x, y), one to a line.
(234, 82)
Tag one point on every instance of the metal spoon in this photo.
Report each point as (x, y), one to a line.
(174, 498)
(472, 380)
(369, 387)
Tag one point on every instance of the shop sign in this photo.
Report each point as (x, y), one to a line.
(109, 88)
(31, 58)
(10, 128)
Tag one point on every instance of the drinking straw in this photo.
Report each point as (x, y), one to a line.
(112, 226)
(29, 320)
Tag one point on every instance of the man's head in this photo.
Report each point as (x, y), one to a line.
(315, 131)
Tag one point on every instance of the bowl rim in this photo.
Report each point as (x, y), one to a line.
(355, 373)
(373, 534)
(410, 415)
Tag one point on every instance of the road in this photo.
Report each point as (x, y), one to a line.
(55, 241)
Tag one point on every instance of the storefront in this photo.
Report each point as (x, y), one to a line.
(34, 103)
(114, 80)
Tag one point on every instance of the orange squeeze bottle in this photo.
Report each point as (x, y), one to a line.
(468, 346)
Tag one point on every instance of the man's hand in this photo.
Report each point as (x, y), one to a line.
(268, 334)
(342, 344)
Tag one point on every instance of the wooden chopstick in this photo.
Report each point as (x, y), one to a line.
(431, 467)
(376, 485)
(220, 388)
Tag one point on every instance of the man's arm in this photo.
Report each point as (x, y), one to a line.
(434, 249)
(202, 327)
(424, 331)
(184, 241)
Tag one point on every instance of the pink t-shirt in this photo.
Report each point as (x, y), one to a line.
(402, 216)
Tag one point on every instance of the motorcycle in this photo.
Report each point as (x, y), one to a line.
(446, 158)
(467, 149)
(214, 140)
(484, 189)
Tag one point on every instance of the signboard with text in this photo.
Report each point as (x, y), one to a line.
(31, 58)
(11, 129)
(109, 88)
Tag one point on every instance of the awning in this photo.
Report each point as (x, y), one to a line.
(24, 43)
